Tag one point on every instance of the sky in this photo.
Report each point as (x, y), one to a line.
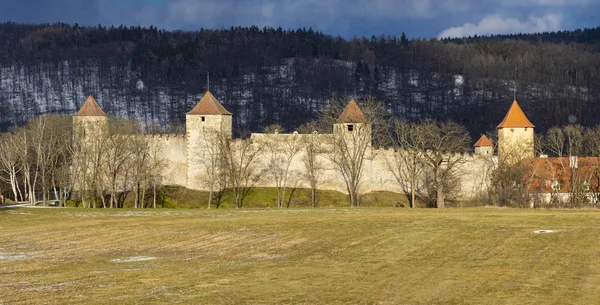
(417, 18)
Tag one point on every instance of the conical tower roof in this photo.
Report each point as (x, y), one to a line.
(515, 118)
(352, 114)
(90, 108)
(209, 105)
(483, 142)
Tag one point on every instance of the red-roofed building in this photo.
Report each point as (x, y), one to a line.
(559, 178)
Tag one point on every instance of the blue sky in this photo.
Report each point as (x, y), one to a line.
(418, 18)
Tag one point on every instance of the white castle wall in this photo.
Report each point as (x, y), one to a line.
(330, 179)
(172, 150)
(183, 155)
(475, 171)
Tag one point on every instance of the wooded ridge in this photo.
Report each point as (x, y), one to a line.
(274, 76)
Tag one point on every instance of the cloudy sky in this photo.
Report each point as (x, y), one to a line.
(418, 18)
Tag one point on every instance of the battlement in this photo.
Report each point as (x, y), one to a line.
(282, 136)
(392, 150)
(166, 135)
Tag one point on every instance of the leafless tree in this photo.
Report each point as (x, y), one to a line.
(9, 163)
(212, 159)
(313, 151)
(281, 151)
(60, 143)
(350, 149)
(407, 162)
(240, 157)
(444, 147)
(567, 144)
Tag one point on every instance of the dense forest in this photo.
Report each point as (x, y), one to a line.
(275, 76)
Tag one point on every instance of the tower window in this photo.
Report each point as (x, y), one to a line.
(203, 118)
(350, 127)
(512, 130)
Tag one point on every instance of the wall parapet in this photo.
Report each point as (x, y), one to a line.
(166, 135)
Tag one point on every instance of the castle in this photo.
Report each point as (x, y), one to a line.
(183, 154)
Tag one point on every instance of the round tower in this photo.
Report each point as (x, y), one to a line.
(515, 136)
(205, 124)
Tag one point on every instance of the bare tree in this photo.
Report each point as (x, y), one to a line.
(118, 152)
(60, 147)
(408, 160)
(354, 132)
(313, 151)
(281, 150)
(444, 147)
(156, 166)
(240, 157)
(510, 184)
(212, 159)
(9, 163)
(22, 145)
(567, 144)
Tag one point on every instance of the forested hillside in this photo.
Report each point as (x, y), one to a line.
(267, 76)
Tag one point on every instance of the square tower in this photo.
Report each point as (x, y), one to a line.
(515, 136)
(90, 122)
(206, 124)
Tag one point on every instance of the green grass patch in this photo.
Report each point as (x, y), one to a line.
(180, 197)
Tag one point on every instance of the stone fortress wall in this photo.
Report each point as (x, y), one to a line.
(173, 150)
(182, 155)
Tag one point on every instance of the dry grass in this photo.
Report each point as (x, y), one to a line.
(323, 256)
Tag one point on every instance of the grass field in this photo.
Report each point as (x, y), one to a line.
(322, 256)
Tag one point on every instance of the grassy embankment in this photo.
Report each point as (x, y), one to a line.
(176, 197)
(309, 256)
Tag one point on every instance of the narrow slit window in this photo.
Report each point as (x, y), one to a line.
(203, 118)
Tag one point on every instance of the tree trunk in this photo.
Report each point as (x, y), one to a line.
(154, 195)
(13, 185)
(354, 199)
(137, 196)
(143, 197)
(237, 198)
(210, 196)
(440, 198)
(313, 197)
(412, 193)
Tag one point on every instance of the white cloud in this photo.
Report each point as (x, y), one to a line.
(496, 24)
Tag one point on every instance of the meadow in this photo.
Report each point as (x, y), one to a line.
(299, 256)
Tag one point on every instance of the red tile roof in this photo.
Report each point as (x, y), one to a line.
(90, 108)
(209, 105)
(483, 142)
(547, 170)
(515, 118)
(352, 114)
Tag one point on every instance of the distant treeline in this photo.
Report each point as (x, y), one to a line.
(274, 76)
